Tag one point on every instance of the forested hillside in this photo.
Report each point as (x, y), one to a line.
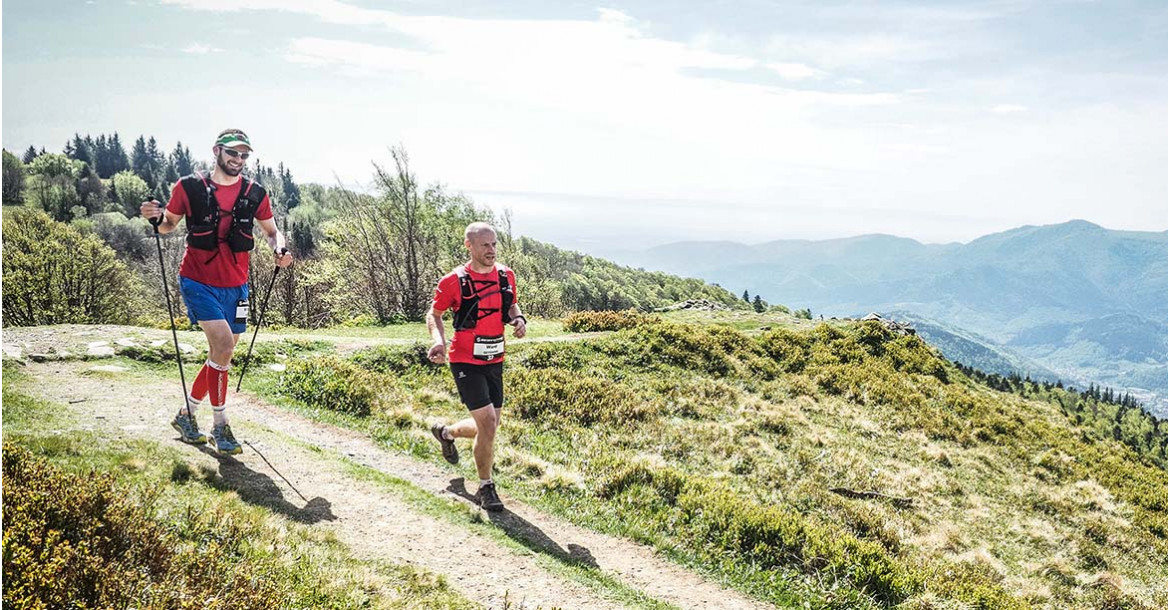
(362, 257)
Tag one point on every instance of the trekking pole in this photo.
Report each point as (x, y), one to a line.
(259, 321)
(170, 311)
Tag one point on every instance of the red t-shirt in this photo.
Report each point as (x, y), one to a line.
(223, 269)
(448, 296)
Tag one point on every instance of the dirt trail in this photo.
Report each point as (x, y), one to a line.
(371, 521)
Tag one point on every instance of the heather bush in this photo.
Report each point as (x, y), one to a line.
(81, 541)
(329, 382)
(594, 321)
(552, 394)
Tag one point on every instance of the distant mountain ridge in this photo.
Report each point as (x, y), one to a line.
(1086, 302)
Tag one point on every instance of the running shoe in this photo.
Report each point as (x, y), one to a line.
(488, 498)
(225, 441)
(450, 453)
(188, 430)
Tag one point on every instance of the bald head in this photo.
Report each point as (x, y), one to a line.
(480, 239)
(473, 231)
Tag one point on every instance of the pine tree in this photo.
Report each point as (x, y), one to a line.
(746, 298)
(90, 150)
(759, 305)
(292, 193)
(80, 148)
(29, 155)
(140, 162)
(181, 159)
(102, 161)
(158, 161)
(119, 161)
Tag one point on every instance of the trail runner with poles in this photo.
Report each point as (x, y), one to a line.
(482, 294)
(220, 210)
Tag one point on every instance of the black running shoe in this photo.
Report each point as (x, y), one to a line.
(450, 453)
(488, 498)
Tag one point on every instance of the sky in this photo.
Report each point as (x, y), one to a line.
(629, 125)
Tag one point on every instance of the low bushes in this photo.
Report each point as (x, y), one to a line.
(559, 394)
(329, 382)
(395, 359)
(709, 349)
(80, 541)
(594, 321)
(716, 522)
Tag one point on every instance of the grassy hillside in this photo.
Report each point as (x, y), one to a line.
(1083, 301)
(837, 465)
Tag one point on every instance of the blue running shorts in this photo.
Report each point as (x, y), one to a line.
(214, 303)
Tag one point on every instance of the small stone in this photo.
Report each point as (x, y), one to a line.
(186, 348)
(127, 342)
(158, 342)
(100, 351)
(277, 367)
(40, 357)
(94, 344)
(13, 351)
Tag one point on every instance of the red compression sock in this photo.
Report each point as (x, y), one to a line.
(217, 383)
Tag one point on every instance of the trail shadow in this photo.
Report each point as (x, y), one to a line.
(526, 533)
(259, 489)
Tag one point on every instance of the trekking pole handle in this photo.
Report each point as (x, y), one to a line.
(155, 221)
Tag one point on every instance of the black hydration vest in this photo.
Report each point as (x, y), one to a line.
(203, 219)
(469, 312)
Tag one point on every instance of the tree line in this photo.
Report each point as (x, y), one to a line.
(95, 175)
(1105, 412)
(363, 257)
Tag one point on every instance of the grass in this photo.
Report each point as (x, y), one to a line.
(717, 437)
(82, 514)
(759, 426)
(408, 332)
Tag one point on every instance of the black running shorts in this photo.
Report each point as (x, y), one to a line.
(479, 385)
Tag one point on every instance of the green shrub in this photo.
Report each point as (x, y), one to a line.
(788, 348)
(55, 275)
(81, 541)
(710, 349)
(566, 355)
(594, 321)
(555, 394)
(773, 537)
(619, 476)
(330, 382)
(395, 359)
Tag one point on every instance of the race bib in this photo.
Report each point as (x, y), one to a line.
(242, 311)
(488, 348)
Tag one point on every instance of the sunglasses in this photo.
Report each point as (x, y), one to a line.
(235, 153)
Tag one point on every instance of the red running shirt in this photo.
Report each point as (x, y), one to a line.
(448, 296)
(222, 269)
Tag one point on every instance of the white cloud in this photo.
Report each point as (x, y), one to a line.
(795, 71)
(201, 49)
(603, 107)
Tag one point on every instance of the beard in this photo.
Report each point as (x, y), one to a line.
(223, 166)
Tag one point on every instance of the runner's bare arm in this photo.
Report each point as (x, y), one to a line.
(276, 239)
(438, 351)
